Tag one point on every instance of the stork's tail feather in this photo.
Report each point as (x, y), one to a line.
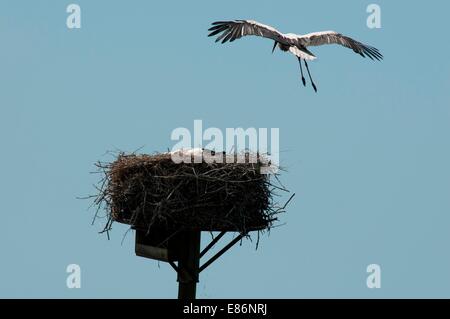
(302, 53)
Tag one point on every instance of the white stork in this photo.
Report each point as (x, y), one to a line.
(296, 44)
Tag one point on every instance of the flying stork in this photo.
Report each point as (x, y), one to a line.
(296, 44)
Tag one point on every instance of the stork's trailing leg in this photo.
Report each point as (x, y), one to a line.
(309, 73)
(301, 71)
(274, 46)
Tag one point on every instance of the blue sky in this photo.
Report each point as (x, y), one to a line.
(368, 156)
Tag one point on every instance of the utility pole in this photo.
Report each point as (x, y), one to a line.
(181, 249)
(188, 264)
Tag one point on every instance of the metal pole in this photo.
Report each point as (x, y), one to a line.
(188, 264)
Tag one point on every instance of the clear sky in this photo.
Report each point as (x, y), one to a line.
(368, 156)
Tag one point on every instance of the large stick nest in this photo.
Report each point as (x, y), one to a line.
(147, 191)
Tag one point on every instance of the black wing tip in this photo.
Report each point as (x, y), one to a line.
(217, 23)
(228, 37)
(219, 27)
(224, 30)
(215, 27)
(218, 30)
(372, 52)
(376, 53)
(221, 22)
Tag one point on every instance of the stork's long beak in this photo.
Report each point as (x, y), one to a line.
(274, 46)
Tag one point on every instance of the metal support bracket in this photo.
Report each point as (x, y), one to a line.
(221, 252)
(206, 249)
(212, 243)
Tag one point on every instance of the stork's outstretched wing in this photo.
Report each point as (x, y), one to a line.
(232, 30)
(331, 37)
